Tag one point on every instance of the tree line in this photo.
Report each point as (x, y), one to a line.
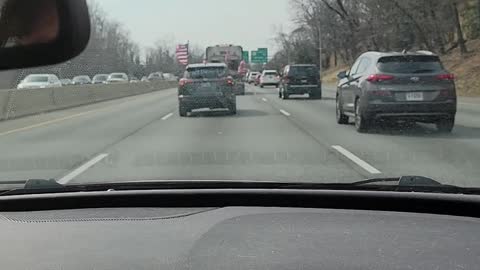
(340, 30)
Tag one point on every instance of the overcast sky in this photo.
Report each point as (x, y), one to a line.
(250, 23)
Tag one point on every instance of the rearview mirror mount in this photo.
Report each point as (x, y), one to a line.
(42, 32)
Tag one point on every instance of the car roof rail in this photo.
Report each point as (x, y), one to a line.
(425, 52)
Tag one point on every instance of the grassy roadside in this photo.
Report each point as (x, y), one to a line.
(466, 70)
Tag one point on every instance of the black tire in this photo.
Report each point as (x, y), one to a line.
(316, 96)
(446, 125)
(182, 110)
(342, 119)
(261, 86)
(362, 124)
(232, 108)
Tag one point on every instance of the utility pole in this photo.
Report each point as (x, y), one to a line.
(320, 52)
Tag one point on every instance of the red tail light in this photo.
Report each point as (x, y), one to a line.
(445, 93)
(446, 77)
(379, 78)
(184, 82)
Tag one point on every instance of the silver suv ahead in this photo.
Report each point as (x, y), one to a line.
(397, 86)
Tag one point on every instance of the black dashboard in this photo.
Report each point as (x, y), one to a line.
(242, 238)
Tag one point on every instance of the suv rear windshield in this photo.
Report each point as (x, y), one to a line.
(206, 73)
(271, 73)
(307, 71)
(410, 64)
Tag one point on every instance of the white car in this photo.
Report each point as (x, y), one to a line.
(36, 81)
(252, 76)
(117, 78)
(82, 80)
(170, 77)
(270, 77)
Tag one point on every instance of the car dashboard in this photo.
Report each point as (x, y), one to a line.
(236, 238)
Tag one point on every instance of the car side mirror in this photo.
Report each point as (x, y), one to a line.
(42, 32)
(342, 75)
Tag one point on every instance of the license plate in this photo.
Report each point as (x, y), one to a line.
(414, 96)
(207, 84)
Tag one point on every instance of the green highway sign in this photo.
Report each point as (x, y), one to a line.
(246, 57)
(260, 56)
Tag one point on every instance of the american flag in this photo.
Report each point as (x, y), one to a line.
(182, 54)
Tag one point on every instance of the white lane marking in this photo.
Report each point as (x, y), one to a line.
(69, 177)
(264, 99)
(167, 116)
(364, 165)
(285, 113)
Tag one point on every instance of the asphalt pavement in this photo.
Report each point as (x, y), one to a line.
(296, 140)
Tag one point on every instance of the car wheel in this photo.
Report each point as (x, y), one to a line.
(446, 125)
(261, 86)
(362, 124)
(316, 96)
(232, 108)
(342, 119)
(182, 110)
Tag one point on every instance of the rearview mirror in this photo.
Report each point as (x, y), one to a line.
(342, 75)
(42, 32)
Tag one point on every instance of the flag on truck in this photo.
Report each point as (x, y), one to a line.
(182, 54)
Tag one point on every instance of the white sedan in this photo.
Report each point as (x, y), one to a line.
(37, 81)
(117, 78)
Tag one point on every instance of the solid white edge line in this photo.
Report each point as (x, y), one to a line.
(285, 113)
(69, 177)
(167, 116)
(364, 165)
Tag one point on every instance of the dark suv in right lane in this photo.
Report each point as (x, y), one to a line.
(397, 86)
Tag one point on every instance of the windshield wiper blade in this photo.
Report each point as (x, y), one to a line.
(33, 186)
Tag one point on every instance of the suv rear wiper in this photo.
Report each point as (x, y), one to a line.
(423, 71)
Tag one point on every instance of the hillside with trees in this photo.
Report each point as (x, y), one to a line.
(341, 30)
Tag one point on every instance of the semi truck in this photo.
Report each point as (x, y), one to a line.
(231, 55)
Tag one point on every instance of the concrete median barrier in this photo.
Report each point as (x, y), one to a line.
(17, 103)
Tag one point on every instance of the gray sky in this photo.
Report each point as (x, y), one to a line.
(250, 23)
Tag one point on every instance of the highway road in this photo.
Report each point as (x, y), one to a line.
(297, 140)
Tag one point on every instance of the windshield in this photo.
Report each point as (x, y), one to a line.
(206, 73)
(323, 91)
(410, 64)
(100, 78)
(36, 79)
(303, 71)
(81, 79)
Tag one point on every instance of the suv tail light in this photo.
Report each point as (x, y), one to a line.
(446, 77)
(184, 82)
(446, 93)
(379, 78)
